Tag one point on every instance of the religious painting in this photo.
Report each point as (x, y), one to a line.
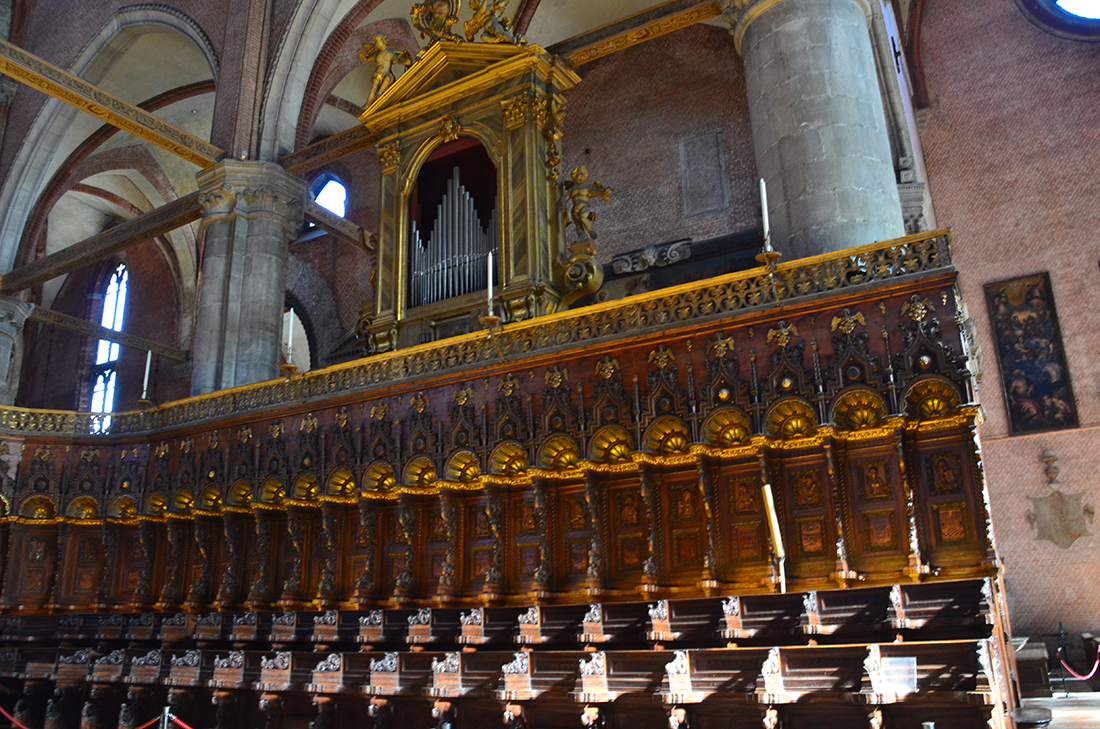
(745, 497)
(631, 550)
(437, 528)
(36, 549)
(880, 529)
(528, 560)
(807, 490)
(685, 504)
(34, 580)
(481, 524)
(438, 561)
(525, 517)
(576, 512)
(872, 478)
(397, 566)
(85, 579)
(944, 472)
(628, 510)
(483, 559)
(578, 554)
(1037, 390)
(951, 522)
(811, 533)
(685, 548)
(747, 540)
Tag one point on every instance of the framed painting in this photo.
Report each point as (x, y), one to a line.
(1034, 376)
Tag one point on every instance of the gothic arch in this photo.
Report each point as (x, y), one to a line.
(36, 159)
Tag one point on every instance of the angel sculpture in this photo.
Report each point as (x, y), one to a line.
(576, 194)
(490, 21)
(384, 76)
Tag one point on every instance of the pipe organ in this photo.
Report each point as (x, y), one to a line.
(452, 261)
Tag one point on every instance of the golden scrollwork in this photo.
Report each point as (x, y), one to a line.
(43, 453)
(846, 321)
(782, 334)
(419, 402)
(557, 377)
(722, 345)
(607, 368)
(277, 431)
(916, 308)
(463, 395)
(662, 357)
(308, 425)
(859, 409)
(244, 435)
(515, 110)
(389, 155)
(790, 418)
(342, 417)
(379, 411)
(449, 128)
(508, 385)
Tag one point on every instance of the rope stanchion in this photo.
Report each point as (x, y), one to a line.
(12, 719)
(1076, 675)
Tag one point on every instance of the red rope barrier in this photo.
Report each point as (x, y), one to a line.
(11, 718)
(1074, 673)
(176, 719)
(149, 723)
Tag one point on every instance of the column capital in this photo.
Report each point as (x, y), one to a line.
(250, 188)
(13, 314)
(740, 13)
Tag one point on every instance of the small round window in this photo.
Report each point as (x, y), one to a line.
(1071, 19)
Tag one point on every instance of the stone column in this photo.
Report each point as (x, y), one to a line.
(251, 210)
(819, 129)
(13, 314)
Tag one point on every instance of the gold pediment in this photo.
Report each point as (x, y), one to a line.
(446, 72)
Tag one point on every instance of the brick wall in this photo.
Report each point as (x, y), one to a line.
(625, 122)
(1011, 147)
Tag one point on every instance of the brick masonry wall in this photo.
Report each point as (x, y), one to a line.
(625, 122)
(1011, 148)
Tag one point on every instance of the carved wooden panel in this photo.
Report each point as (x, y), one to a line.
(876, 524)
(805, 503)
(743, 532)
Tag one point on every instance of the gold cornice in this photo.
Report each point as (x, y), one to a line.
(664, 459)
(384, 112)
(662, 312)
(256, 506)
(643, 33)
(302, 504)
(569, 474)
(377, 496)
(623, 467)
(179, 517)
(335, 499)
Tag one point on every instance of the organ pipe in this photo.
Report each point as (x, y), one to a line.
(452, 261)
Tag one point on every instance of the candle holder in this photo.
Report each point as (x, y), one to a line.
(288, 370)
(144, 404)
(770, 258)
(492, 322)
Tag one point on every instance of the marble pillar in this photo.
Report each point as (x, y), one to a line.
(819, 129)
(251, 211)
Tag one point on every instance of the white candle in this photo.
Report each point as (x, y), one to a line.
(489, 289)
(290, 337)
(764, 211)
(148, 365)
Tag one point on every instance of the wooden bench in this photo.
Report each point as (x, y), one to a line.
(693, 676)
(551, 624)
(286, 671)
(140, 626)
(38, 662)
(460, 674)
(210, 627)
(74, 665)
(939, 671)
(433, 625)
(614, 622)
(791, 673)
(250, 626)
(533, 674)
(846, 612)
(189, 668)
(396, 674)
(943, 606)
(774, 617)
(384, 627)
(236, 669)
(489, 625)
(146, 666)
(177, 627)
(110, 626)
(607, 675)
(685, 620)
(340, 673)
(289, 626)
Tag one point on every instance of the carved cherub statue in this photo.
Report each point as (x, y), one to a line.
(575, 197)
(384, 76)
(489, 19)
